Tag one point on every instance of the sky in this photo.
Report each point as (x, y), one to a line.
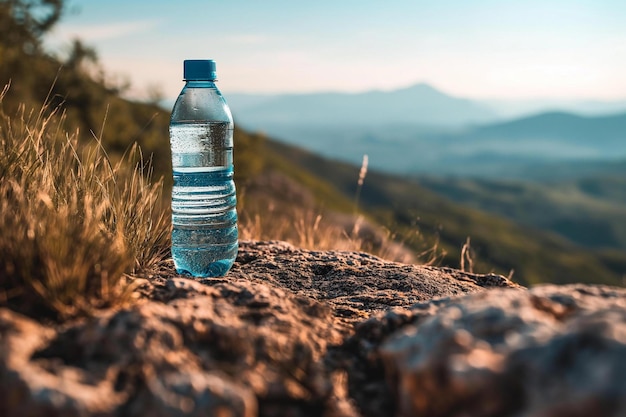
(485, 49)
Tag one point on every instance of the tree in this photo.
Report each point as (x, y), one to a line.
(80, 54)
(24, 22)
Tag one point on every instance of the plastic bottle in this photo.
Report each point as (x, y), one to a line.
(204, 216)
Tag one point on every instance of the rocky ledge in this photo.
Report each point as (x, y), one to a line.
(291, 332)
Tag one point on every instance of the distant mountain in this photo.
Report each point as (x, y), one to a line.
(421, 130)
(599, 132)
(420, 104)
(542, 138)
(516, 108)
(547, 146)
(535, 147)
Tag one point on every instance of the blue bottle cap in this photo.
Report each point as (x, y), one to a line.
(199, 70)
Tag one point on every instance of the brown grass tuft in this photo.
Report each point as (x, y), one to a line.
(73, 225)
(309, 229)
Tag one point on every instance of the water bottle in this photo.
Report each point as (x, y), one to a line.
(204, 216)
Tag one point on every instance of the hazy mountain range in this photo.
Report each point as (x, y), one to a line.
(545, 146)
(420, 130)
(419, 104)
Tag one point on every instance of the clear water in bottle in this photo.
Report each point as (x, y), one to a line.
(204, 216)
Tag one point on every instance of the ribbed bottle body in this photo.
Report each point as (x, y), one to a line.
(204, 216)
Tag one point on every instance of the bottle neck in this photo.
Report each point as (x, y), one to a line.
(200, 84)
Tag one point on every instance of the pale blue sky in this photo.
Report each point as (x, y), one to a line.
(479, 49)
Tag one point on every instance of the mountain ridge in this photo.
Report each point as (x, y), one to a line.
(564, 123)
(559, 142)
(472, 110)
(419, 103)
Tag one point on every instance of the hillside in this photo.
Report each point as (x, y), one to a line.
(498, 245)
(589, 211)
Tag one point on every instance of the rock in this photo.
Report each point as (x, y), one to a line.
(550, 351)
(353, 284)
(290, 332)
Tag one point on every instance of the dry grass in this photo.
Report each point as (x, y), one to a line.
(303, 228)
(278, 208)
(467, 255)
(73, 225)
(308, 229)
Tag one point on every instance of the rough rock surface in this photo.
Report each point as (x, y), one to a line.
(548, 351)
(291, 332)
